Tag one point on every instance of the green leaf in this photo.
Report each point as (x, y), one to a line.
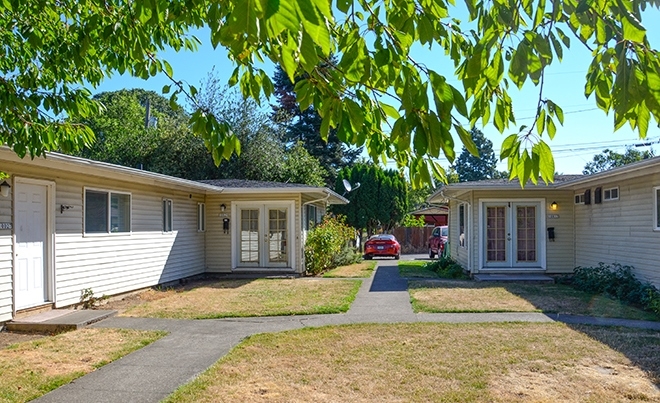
(389, 110)
(509, 146)
(355, 114)
(546, 162)
(466, 138)
(552, 129)
(633, 30)
(540, 122)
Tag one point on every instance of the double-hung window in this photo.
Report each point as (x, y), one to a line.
(167, 215)
(611, 194)
(462, 225)
(107, 212)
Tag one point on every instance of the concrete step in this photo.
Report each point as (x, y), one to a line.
(58, 320)
(514, 277)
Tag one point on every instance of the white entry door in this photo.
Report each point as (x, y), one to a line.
(512, 235)
(263, 236)
(31, 221)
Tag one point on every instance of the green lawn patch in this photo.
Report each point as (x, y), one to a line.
(356, 270)
(470, 296)
(415, 269)
(243, 298)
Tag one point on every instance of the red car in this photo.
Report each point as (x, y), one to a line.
(382, 245)
(438, 240)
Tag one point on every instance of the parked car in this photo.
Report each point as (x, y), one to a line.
(438, 241)
(382, 245)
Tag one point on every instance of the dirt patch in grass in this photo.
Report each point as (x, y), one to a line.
(9, 338)
(357, 270)
(241, 298)
(32, 368)
(469, 296)
(428, 362)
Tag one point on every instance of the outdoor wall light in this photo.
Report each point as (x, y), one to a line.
(554, 206)
(223, 207)
(4, 189)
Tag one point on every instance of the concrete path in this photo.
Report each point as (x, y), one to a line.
(154, 372)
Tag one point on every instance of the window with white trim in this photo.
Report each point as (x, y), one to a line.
(201, 217)
(107, 212)
(579, 198)
(167, 215)
(611, 194)
(313, 216)
(656, 208)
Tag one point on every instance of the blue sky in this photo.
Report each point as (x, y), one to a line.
(586, 131)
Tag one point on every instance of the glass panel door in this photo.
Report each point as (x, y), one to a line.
(526, 234)
(496, 235)
(249, 241)
(277, 236)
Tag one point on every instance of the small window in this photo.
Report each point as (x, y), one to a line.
(313, 216)
(107, 212)
(611, 194)
(579, 199)
(167, 215)
(462, 219)
(656, 208)
(201, 217)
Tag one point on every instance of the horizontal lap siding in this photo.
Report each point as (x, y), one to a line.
(115, 263)
(6, 260)
(621, 231)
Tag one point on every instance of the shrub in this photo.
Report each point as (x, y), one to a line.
(326, 244)
(446, 267)
(618, 282)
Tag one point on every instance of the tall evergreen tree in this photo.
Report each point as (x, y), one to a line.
(471, 168)
(381, 201)
(305, 126)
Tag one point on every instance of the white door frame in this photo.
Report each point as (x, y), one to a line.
(263, 226)
(540, 233)
(49, 279)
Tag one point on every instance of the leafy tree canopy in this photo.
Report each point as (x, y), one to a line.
(376, 95)
(609, 159)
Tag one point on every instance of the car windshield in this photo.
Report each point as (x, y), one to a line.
(445, 231)
(382, 238)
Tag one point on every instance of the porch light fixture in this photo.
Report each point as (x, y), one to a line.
(223, 207)
(4, 188)
(554, 206)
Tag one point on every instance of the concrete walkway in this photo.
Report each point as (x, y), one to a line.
(154, 372)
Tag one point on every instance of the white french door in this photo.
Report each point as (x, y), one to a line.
(32, 243)
(513, 235)
(263, 236)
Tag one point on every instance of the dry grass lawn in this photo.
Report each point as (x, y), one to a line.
(242, 298)
(32, 368)
(469, 296)
(436, 362)
(357, 270)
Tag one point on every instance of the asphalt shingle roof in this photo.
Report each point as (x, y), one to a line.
(250, 184)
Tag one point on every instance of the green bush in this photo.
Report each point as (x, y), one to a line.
(618, 282)
(347, 255)
(446, 267)
(327, 243)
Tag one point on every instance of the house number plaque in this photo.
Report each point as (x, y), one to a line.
(553, 215)
(5, 225)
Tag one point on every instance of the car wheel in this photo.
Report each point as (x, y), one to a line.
(396, 257)
(367, 257)
(431, 254)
